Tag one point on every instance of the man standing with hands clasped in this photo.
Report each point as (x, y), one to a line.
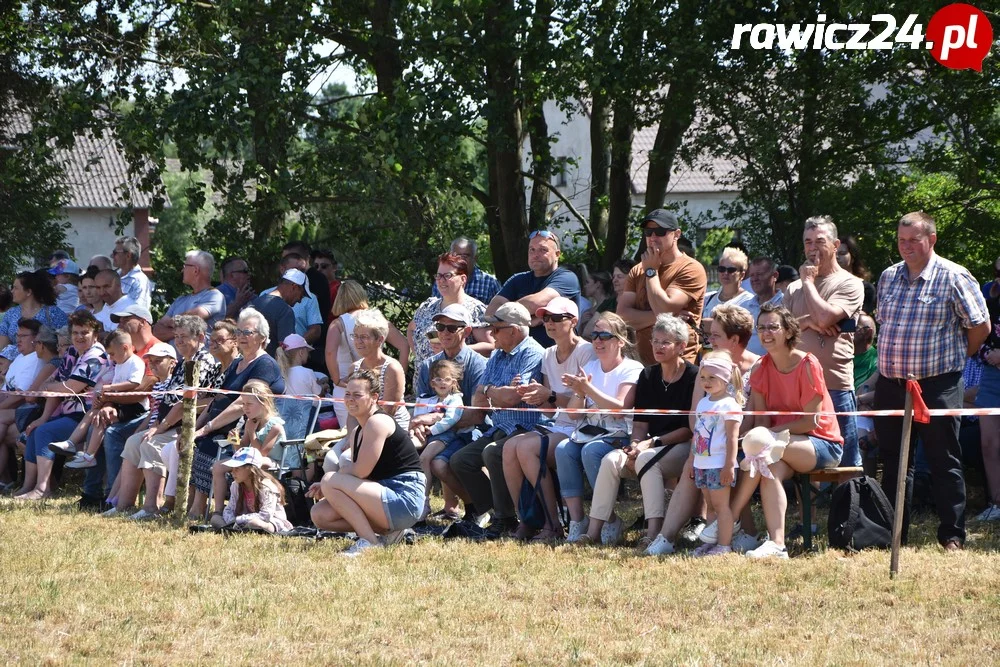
(932, 316)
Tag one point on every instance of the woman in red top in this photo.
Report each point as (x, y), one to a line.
(787, 380)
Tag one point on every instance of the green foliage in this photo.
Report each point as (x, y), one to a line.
(177, 231)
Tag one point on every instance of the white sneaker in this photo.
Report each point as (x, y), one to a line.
(769, 550)
(661, 546)
(991, 513)
(82, 460)
(710, 535)
(743, 542)
(482, 520)
(717, 550)
(577, 529)
(143, 515)
(355, 549)
(111, 512)
(611, 532)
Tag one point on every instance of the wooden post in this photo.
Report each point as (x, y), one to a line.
(904, 458)
(185, 444)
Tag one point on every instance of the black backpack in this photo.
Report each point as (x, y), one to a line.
(860, 516)
(297, 506)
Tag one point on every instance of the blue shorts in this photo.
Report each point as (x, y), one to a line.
(988, 395)
(827, 453)
(710, 478)
(452, 443)
(403, 498)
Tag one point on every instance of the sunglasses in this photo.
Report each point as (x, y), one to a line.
(769, 327)
(728, 269)
(556, 318)
(602, 335)
(450, 328)
(496, 329)
(544, 233)
(654, 231)
(245, 332)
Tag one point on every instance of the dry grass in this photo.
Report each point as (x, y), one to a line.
(79, 588)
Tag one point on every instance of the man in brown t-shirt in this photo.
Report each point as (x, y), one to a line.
(826, 299)
(666, 281)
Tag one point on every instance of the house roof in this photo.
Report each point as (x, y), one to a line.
(683, 179)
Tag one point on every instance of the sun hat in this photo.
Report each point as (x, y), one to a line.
(762, 448)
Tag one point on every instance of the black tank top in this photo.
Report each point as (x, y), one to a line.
(398, 454)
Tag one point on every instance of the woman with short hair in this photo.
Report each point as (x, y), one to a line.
(34, 299)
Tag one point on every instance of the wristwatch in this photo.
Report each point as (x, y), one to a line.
(657, 442)
(552, 398)
(486, 389)
(650, 273)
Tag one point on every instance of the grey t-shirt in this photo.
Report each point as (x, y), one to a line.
(280, 319)
(210, 299)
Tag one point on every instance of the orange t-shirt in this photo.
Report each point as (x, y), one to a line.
(685, 274)
(792, 391)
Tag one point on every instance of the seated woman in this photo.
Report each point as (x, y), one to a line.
(370, 330)
(607, 383)
(521, 453)
(224, 411)
(379, 490)
(659, 443)
(787, 380)
(84, 363)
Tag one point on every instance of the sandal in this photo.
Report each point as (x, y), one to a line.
(547, 536)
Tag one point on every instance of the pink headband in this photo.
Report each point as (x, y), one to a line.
(719, 368)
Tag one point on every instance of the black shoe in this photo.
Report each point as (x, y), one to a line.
(91, 504)
(503, 527)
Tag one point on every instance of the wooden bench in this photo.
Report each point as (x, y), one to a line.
(833, 475)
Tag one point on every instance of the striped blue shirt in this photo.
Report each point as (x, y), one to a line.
(923, 322)
(524, 360)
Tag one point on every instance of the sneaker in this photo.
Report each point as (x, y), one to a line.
(702, 550)
(392, 537)
(769, 550)
(692, 531)
(991, 513)
(577, 529)
(448, 515)
(710, 534)
(90, 503)
(611, 532)
(481, 520)
(743, 542)
(717, 550)
(63, 448)
(111, 512)
(82, 460)
(661, 546)
(355, 549)
(143, 515)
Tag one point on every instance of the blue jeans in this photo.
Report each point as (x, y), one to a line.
(845, 401)
(54, 430)
(109, 458)
(573, 460)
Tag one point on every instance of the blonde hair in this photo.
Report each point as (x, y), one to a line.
(258, 478)
(623, 332)
(737, 257)
(259, 390)
(451, 369)
(351, 296)
(286, 358)
(735, 385)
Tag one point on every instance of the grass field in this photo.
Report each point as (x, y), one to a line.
(77, 588)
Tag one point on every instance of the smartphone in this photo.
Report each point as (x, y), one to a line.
(590, 429)
(847, 325)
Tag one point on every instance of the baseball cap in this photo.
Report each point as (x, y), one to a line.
(786, 272)
(560, 305)
(297, 277)
(65, 266)
(133, 309)
(454, 312)
(59, 254)
(295, 342)
(10, 352)
(511, 313)
(161, 349)
(247, 456)
(662, 218)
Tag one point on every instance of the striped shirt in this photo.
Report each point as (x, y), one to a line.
(923, 322)
(524, 360)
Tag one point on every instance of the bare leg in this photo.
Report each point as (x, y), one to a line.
(260, 525)
(219, 486)
(444, 473)
(129, 482)
(359, 502)
(528, 459)
(512, 472)
(196, 509)
(720, 500)
(96, 439)
(325, 517)
(430, 450)
(30, 475)
(682, 505)
(154, 483)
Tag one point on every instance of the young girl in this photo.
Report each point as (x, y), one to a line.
(256, 499)
(291, 356)
(713, 447)
(264, 430)
(433, 425)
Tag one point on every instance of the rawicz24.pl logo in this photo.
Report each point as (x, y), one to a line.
(958, 36)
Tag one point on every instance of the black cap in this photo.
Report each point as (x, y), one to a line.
(786, 272)
(662, 218)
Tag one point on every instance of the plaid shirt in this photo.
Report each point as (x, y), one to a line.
(481, 286)
(922, 323)
(524, 360)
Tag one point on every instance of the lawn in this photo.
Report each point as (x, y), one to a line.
(79, 588)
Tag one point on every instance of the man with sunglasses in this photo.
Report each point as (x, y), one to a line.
(543, 282)
(453, 326)
(665, 281)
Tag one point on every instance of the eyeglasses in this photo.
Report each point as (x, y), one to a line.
(544, 233)
(556, 318)
(189, 266)
(450, 328)
(661, 343)
(364, 338)
(495, 329)
(654, 231)
(219, 341)
(602, 335)
(117, 251)
(728, 269)
(440, 380)
(246, 332)
(769, 327)
(445, 276)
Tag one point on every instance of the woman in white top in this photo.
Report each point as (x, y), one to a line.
(607, 384)
(340, 350)
(522, 453)
(732, 268)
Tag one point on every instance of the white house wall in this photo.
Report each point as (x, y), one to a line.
(92, 232)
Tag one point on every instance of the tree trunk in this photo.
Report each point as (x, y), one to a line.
(620, 209)
(600, 165)
(535, 61)
(185, 444)
(675, 119)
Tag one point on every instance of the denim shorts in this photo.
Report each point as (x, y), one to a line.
(403, 498)
(827, 453)
(710, 478)
(988, 395)
(452, 443)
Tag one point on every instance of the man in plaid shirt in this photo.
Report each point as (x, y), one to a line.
(933, 316)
